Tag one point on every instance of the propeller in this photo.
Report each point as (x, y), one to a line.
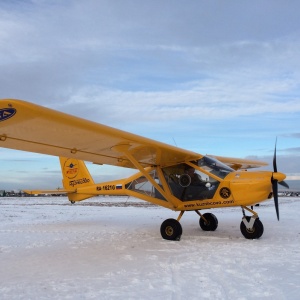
(275, 180)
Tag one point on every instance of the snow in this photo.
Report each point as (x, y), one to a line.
(50, 249)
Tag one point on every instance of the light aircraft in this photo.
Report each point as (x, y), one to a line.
(168, 176)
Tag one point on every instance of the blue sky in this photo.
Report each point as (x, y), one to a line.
(214, 77)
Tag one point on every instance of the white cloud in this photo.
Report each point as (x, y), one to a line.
(293, 176)
(208, 100)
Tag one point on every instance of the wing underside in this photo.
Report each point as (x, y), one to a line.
(30, 127)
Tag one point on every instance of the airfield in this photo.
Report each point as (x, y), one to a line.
(111, 248)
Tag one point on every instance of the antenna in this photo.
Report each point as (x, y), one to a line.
(174, 141)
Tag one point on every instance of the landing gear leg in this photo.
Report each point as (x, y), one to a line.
(251, 227)
(171, 229)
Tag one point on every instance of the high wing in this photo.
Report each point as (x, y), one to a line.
(30, 127)
(240, 164)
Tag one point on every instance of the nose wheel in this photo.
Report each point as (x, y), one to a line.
(251, 227)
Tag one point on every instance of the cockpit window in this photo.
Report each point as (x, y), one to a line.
(214, 166)
(188, 183)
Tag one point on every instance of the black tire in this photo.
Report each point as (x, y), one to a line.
(211, 224)
(256, 232)
(72, 202)
(171, 230)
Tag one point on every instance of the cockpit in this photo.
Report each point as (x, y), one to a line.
(195, 180)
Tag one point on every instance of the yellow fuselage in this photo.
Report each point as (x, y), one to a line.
(237, 189)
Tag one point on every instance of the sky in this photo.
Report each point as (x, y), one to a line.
(214, 77)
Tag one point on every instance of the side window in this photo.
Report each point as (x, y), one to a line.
(143, 186)
(203, 176)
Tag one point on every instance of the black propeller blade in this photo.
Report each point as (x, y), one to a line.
(274, 158)
(275, 195)
(283, 183)
(275, 183)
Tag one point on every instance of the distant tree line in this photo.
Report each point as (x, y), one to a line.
(4, 193)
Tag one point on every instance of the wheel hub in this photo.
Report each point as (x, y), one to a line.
(250, 230)
(169, 230)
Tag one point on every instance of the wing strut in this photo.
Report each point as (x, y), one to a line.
(124, 149)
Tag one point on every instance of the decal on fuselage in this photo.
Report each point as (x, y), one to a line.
(208, 203)
(7, 113)
(225, 192)
(107, 187)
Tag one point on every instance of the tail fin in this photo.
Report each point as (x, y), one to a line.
(75, 174)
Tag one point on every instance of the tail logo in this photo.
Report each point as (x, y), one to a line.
(7, 113)
(71, 168)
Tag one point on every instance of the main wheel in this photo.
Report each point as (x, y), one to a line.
(171, 229)
(211, 223)
(255, 232)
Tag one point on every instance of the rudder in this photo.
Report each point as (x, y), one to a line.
(75, 174)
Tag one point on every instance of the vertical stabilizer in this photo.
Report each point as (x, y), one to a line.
(75, 175)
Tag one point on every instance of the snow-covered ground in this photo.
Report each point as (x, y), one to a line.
(50, 249)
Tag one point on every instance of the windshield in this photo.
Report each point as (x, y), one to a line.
(214, 166)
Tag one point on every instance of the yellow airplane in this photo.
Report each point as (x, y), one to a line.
(168, 176)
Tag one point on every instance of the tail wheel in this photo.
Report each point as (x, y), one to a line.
(208, 222)
(171, 229)
(255, 232)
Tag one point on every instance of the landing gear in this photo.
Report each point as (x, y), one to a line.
(208, 222)
(72, 202)
(251, 227)
(171, 230)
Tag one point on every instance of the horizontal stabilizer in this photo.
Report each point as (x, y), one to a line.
(57, 191)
